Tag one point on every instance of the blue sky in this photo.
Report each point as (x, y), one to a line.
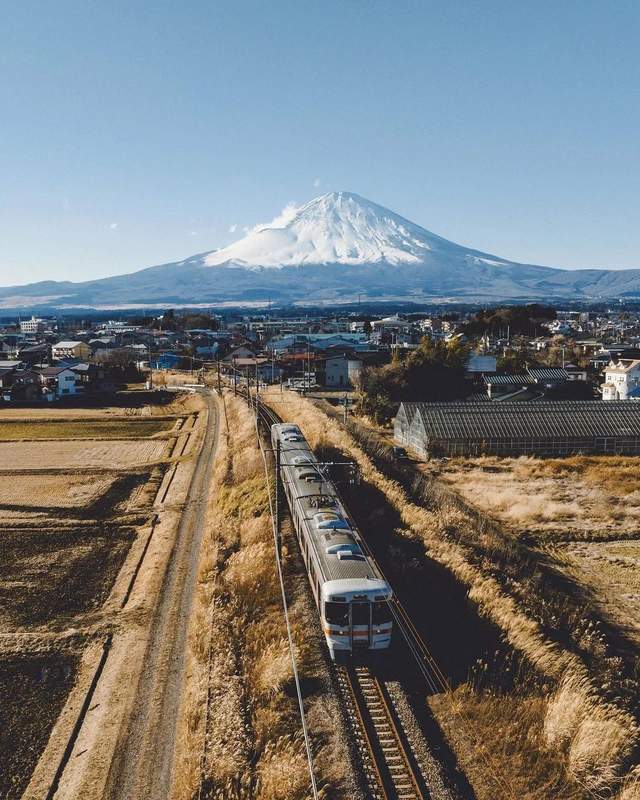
(136, 133)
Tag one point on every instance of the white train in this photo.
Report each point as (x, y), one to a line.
(352, 597)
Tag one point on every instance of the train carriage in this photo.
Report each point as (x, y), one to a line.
(351, 595)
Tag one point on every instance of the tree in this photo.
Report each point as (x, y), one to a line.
(433, 371)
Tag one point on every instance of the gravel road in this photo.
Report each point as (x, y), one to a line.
(143, 769)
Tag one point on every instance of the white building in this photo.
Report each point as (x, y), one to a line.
(342, 372)
(622, 380)
(33, 325)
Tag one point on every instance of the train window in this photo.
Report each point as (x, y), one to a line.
(336, 613)
(360, 613)
(381, 613)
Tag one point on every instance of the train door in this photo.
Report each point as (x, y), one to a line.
(360, 625)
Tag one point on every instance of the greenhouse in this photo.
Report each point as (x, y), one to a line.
(537, 428)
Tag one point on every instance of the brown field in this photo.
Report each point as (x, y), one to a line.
(70, 454)
(47, 575)
(588, 497)
(32, 693)
(53, 491)
(133, 428)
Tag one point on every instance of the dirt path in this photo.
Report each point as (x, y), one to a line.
(143, 769)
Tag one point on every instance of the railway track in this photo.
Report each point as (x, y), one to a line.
(388, 763)
(387, 760)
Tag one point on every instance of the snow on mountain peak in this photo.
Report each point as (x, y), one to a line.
(335, 228)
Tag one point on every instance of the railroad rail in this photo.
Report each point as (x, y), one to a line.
(388, 763)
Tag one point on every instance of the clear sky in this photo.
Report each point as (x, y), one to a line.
(134, 133)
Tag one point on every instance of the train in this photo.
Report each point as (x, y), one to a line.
(352, 597)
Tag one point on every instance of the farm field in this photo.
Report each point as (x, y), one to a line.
(53, 491)
(128, 428)
(32, 693)
(582, 514)
(583, 497)
(76, 454)
(50, 575)
(77, 495)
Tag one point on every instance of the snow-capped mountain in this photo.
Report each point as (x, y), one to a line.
(337, 228)
(335, 249)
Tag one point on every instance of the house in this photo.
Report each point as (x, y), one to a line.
(34, 354)
(622, 380)
(266, 369)
(318, 341)
(58, 382)
(342, 371)
(239, 353)
(6, 376)
(25, 387)
(75, 349)
(575, 373)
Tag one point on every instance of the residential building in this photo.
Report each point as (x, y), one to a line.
(58, 382)
(342, 371)
(75, 349)
(622, 380)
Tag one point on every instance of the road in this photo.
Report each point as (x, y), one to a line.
(143, 769)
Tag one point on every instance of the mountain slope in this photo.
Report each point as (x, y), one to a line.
(334, 249)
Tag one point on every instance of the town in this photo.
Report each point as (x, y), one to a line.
(514, 353)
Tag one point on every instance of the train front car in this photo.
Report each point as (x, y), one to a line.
(352, 597)
(356, 616)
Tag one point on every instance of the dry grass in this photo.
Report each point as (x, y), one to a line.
(582, 497)
(611, 571)
(442, 527)
(491, 730)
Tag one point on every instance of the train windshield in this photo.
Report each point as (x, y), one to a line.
(336, 613)
(360, 613)
(381, 613)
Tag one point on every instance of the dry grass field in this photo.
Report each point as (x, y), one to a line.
(76, 454)
(584, 497)
(611, 571)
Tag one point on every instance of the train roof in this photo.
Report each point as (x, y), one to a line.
(331, 532)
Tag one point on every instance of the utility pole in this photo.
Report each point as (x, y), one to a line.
(344, 416)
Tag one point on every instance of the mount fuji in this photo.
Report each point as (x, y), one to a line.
(335, 249)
